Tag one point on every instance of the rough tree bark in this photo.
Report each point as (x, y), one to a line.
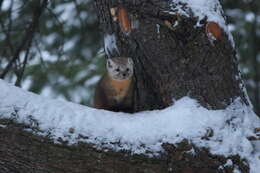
(23, 152)
(170, 64)
(173, 62)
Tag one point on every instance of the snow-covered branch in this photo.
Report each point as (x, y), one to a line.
(223, 132)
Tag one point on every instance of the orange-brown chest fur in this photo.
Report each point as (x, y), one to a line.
(119, 88)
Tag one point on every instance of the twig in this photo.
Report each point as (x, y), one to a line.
(7, 31)
(20, 74)
(28, 36)
(60, 49)
(1, 2)
(40, 53)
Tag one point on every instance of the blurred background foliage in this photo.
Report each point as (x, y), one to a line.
(243, 18)
(66, 59)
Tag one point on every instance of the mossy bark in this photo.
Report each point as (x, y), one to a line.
(172, 61)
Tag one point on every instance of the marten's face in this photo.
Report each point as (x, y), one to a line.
(120, 68)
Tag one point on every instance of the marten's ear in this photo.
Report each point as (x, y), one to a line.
(130, 61)
(110, 63)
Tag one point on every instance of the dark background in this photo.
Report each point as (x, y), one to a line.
(66, 58)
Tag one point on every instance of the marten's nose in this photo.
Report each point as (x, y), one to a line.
(124, 74)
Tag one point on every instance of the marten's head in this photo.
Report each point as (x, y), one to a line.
(120, 68)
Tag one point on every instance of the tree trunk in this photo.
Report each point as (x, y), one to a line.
(23, 152)
(255, 62)
(172, 62)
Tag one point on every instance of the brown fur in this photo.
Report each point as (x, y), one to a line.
(114, 95)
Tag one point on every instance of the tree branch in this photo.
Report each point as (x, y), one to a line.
(22, 151)
(26, 41)
(21, 72)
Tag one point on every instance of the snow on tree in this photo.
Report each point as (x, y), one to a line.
(173, 45)
(185, 65)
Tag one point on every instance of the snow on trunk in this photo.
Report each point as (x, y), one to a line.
(204, 9)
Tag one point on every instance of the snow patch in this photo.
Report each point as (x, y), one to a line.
(2, 126)
(139, 132)
(110, 44)
(229, 163)
(210, 9)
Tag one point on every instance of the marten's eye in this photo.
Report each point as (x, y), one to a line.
(127, 69)
(117, 70)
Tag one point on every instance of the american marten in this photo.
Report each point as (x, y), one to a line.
(114, 91)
